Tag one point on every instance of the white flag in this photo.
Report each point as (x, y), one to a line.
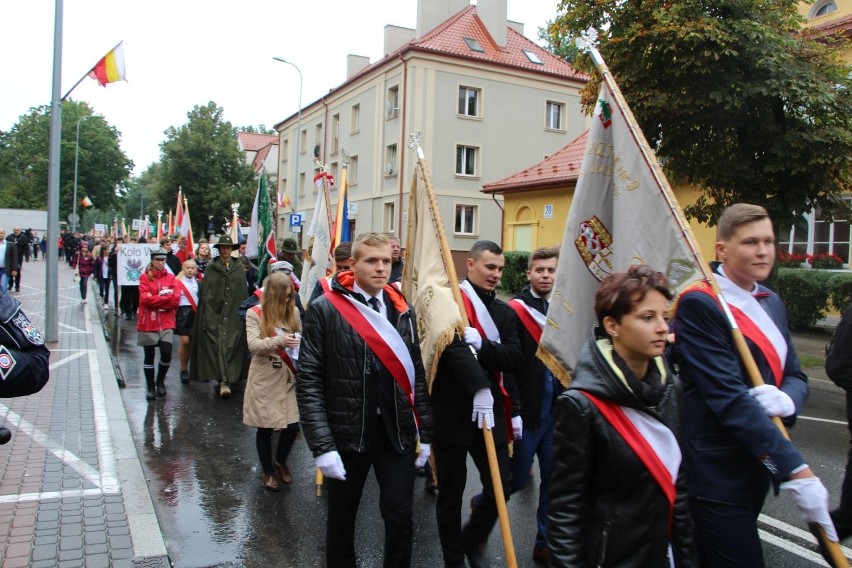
(621, 214)
(253, 234)
(320, 260)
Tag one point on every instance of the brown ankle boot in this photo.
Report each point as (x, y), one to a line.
(284, 473)
(269, 482)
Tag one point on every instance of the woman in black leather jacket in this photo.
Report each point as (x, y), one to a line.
(617, 492)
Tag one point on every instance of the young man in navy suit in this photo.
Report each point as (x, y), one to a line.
(733, 451)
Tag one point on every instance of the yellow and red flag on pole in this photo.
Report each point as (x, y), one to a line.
(110, 68)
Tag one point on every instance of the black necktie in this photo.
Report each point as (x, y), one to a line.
(374, 303)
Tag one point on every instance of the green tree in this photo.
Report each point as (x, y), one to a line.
(103, 167)
(259, 129)
(734, 96)
(557, 44)
(203, 159)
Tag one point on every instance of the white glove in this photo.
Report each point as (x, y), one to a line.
(483, 408)
(517, 427)
(166, 292)
(425, 452)
(811, 497)
(773, 401)
(331, 465)
(472, 338)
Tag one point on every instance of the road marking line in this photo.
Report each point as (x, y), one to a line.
(52, 495)
(106, 456)
(815, 419)
(796, 532)
(54, 447)
(68, 359)
(792, 548)
(76, 329)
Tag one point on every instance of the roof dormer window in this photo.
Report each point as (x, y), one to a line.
(473, 45)
(532, 57)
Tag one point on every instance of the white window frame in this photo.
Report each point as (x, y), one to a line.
(301, 184)
(802, 237)
(392, 110)
(461, 169)
(355, 119)
(389, 217)
(551, 108)
(335, 134)
(465, 93)
(469, 216)
(351, 171)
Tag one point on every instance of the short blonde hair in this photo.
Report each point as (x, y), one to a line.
(737, 215)
(371, 239)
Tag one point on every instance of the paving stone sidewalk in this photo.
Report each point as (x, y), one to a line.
(72, 491)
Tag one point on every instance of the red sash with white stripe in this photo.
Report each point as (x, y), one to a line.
(646, 453)
(281, 353)
(532, 319)
(473, 318)
(752, 331)
(376, 330)
(185, 291)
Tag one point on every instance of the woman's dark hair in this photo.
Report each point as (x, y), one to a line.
(619, 292)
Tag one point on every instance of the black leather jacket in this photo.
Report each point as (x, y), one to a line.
(334, 383)
(605, 508)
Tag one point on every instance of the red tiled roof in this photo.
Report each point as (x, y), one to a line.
(252, 141)
(842, 25)
(449, 36)
(557, 169)
(260, 157)
(448, 39)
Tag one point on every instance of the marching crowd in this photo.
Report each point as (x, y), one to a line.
(659, 452)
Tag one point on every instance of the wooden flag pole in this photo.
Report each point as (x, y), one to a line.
(829, 549)
(491, 451)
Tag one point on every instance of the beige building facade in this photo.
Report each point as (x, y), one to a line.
(488, 101)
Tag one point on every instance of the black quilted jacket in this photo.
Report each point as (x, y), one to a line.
(334, 383)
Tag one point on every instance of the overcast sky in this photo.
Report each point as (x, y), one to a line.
(182, 53)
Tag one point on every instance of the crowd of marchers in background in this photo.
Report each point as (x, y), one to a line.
(638, 465)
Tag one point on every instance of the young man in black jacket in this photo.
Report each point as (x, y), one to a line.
(460, 386)
(363, 400)
(537, 388)
(838, 367)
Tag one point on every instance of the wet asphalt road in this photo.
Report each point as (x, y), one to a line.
(205, 480)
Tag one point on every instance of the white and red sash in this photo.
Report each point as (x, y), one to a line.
(480, 318)
(755, 323)
(281, 352)
(652, 442)
(383, 340)
(188, 294)
(532, 319)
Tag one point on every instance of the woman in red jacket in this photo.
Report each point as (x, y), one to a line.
(158, 302)
(83, 264)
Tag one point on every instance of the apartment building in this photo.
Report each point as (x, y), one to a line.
(488, 101)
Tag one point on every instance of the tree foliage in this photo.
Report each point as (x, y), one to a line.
(203, 159)
(734, 96)
(103, 167)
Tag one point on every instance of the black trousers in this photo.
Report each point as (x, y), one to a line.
(727, 534)
(395, 474)
(451, 463)
(843, 513)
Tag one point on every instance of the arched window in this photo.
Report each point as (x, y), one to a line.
(822, 7)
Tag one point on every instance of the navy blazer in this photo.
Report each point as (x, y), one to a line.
(731, 447)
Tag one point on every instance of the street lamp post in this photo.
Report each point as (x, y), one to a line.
(298, 133)
(74, 217)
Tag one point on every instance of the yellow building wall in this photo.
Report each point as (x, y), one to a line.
(844, 9)
(525, 212)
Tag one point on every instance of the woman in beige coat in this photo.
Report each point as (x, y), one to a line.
(272, 331)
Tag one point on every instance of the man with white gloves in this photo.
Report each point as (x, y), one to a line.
(363, 400)
(732, 450)
(468, 394)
